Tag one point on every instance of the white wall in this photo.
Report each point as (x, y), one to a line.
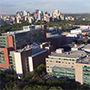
(18, 63)
(30, 60)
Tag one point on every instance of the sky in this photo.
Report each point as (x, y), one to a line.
(64, 6)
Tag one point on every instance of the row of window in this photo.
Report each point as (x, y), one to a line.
(61, 62)
(61, 65)
(63, 59)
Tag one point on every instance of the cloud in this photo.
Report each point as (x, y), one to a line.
(6, 5)
(64, 6)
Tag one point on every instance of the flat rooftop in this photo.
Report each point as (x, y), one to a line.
(15, 32)
(56, 35)
(24, 30)
(69, 55)
(85, 60)
(87, 46)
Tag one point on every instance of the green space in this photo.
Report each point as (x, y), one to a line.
(65, 25)
(34, 81)
(14, 27)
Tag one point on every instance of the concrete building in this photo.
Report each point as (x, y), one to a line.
(17, 45)
(26, 59)
(74, 64)
(48, 19)
(56, 40)
(40, 15)
(25, 36)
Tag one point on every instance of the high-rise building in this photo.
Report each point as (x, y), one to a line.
(25, 13)
(40, 15)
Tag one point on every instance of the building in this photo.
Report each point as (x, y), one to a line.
(18, 50)
(26, 59)
(40, 15)
(48, 19)
(25, 36)
(72, 37)
(56, 40)
(74, 64)
(1, 22)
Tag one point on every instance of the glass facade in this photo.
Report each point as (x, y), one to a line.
(28, 37)
(2, 58)
(12, 63)
(23, 38)
(66, 73)
(3, 42)
(86, 74)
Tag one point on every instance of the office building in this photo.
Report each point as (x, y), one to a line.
(56, 40)
(17, 49)
(26, 59)
(25, 36)
(74, 64)
(40, 15)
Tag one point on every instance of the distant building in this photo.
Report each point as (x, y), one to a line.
(40, 15)
(1, 22)
(62, 17)
(48, 19)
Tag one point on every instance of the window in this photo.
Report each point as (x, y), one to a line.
(56, 61)
(47, 60)
(65, 62)
(56, 64)
(47, 69)
(63, 65)
(69, 63)
(59, 61)
(50, 60)
(62, 62)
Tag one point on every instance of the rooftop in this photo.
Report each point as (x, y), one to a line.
(55, 35)
(85, 60)
(69, 55)
(25, 29)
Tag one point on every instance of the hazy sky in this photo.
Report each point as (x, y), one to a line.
(64, 6)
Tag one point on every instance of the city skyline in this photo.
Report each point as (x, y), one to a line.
(64, 6)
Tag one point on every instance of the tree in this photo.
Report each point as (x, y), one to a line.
(53, 88)
(15, 87)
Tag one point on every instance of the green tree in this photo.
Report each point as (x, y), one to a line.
(53, 88)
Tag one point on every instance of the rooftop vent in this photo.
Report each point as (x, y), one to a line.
(60, 50)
